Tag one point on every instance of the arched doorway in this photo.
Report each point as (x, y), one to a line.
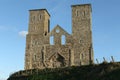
(57, 60)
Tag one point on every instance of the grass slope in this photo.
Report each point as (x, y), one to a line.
(104, 71)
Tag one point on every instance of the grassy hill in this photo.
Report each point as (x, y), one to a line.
(104, 71)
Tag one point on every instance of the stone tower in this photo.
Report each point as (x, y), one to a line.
(67, 49)
(82, 34)
(38, 29)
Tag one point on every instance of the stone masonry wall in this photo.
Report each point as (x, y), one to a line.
(67, 49)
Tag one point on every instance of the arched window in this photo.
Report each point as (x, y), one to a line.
(63, 39)
(51, 40)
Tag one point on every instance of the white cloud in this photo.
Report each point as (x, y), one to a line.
(23, 33)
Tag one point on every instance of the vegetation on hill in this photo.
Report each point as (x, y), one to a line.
(104, 71)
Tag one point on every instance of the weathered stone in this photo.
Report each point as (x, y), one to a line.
(75, 50)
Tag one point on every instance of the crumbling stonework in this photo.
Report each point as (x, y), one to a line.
(76, 48)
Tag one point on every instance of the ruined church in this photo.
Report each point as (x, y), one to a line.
(58, 48)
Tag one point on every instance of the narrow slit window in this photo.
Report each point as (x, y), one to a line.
(84, 13)
(82, 56)
(45, 33)
(51, 40)
(77, 13)
(34, 57)
(80, 41)
(48, 25)
(40, 17)
(42, 51)
(33, 19)
(63, 40)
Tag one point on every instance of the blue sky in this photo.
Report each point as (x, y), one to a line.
(14, 17)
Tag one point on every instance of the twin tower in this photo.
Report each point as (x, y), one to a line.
(55, 49)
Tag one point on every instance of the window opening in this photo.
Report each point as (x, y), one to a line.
(81, 41)
(51, 40)
(45, 33)
(32, 18)
(40, 17)
(69, 57)
(57, 30)
(82, 56)
(77, 13)
(42, 51)
(63, 40)
(34, 57)
(48, 25)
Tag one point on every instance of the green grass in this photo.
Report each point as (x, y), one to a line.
(104, 71)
